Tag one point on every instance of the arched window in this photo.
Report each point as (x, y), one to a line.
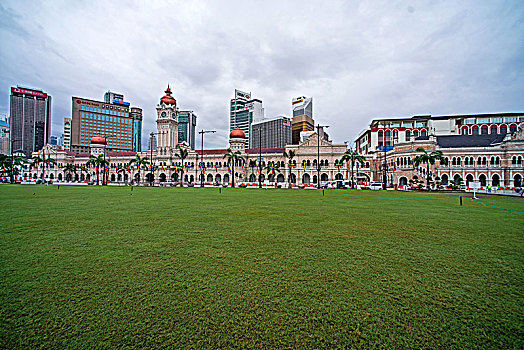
(503, 129)
(493, 129)
(308, 163)
(464, 130)
(513, 160)
(519, 160)
(482, 179)
(423, 133)
(492, 161)
(466, 161)
(408, 135)
(495, 180)
(484, 129)
(475, 130)
(513, 128)
(415, 133)
(380, 138)
(326, 162)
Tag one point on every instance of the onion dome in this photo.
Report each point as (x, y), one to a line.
(237, 133)
(168, 99)
(99, 140)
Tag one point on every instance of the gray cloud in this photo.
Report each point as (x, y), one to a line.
(359, 60)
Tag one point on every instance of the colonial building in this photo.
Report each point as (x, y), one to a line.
(487, 148)
(163, 165)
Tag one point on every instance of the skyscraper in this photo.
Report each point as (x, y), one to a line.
(302, 117)
(152, 143)
(30, 119)
(4, 137)
(67, 134)
(112, 120)
(272, 133)
(136, 114)
(187, 121)
(244, 110)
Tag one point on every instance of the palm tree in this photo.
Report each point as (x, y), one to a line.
(140, 162)
(82, 169)
(98, 162)
(289, 155)
(252, 165)
(11, 163)
(69, 168)
(182, 154)
(353, 157)
(428, 158)
(272, 168)
(232, 157)
(124, 170)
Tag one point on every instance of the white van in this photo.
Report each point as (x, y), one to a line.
(375, 186)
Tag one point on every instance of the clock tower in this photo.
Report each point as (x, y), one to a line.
(167, 124)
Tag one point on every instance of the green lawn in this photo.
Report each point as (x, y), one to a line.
(98, 267)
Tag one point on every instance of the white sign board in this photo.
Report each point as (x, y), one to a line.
(474, 185)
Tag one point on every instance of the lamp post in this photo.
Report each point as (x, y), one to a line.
(259, 157)
(318, 152)
(202, 132)
(384, 165)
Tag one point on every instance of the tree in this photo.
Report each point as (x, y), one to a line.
(353, 157)
(252, 165)
(232, 158)
(125, 170)
(428, 158)
(455, 184)
(82, 169)
(10, 164)
(289, 155)
(182, 154)
(69, 168)
(140, 162)
(272, 168)
(98, 162)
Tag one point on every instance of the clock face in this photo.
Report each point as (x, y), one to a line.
(163, 114)
(174, 115)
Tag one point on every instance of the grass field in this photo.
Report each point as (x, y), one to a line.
(98, 267)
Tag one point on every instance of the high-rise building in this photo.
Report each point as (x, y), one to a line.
(152, 143)
(271, 133)
(67, 134)
(30, 111)
(302, 117)
(136, 114)
(4, 137)
(60, 141)
(112, 120)
(244, 110)
(54, 140)
(110, 97)
(187, 121)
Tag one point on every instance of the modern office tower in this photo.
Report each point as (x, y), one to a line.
(54, 140)
(67, 134)
(4, 137)
(110, 97)
(187, 121)
(60, 140)
(271, 133)
(112, 120)
(136, 115)
(151, 143)
(244, 110)
(30, 111)
(302, 117)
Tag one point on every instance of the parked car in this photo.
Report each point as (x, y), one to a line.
(375, 186)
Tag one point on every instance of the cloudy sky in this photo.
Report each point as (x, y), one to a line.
(358, 59)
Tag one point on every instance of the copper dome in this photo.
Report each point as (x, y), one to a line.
(99, 140)
(168, 99)
(237, 133)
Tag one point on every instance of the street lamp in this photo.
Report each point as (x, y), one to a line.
(260, 156)
(384, 165)
(202, 158)
(318, 152)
